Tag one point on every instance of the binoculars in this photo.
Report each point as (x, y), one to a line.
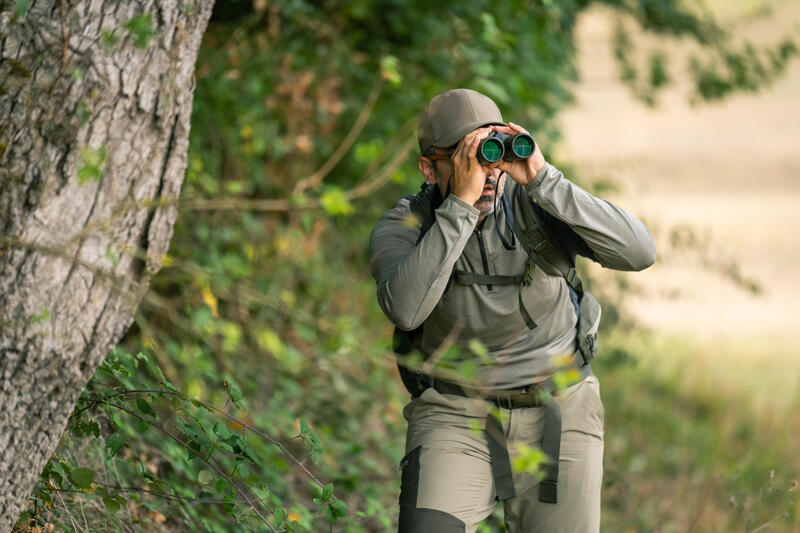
(499, 146)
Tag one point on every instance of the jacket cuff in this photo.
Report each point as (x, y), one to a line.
(457, 208)
(546, 174)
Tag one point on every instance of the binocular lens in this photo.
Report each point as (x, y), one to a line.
(522, 146)
(491, 149)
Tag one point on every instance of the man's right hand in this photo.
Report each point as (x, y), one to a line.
(469, 176)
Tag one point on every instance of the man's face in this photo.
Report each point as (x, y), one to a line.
(493, 186)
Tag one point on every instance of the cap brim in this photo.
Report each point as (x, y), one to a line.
(452, 138)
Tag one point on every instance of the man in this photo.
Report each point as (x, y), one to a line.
(449, 270)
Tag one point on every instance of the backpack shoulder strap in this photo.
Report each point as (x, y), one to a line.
(424, 205)
(543, 249)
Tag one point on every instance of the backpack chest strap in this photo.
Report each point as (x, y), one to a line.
(473, 278)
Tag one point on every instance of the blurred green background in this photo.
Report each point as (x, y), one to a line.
(304, 132)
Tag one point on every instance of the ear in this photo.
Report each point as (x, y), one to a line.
(426, 168)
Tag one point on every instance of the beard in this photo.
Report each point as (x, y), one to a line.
(485, 204)
(491, 193)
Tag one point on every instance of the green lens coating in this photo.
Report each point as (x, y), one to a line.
(522, 146)
(492, 150)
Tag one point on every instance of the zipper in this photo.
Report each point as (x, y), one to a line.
(484, 260)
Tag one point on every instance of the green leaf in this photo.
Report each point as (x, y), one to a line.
(141, 28)
(339, 508)
(205, 477)
(366, 152)
(310, 441)
(335, 202)
(113, 503)
(235, 394)
(112, 256)
(22, 7)
(108, 38)
(143, 406)
(270, 341)
(82, 477)
(528, 459)
(92, 164)
(113, 444)
(159, 485)
(478, 348)
(390, 71)
(327, 492)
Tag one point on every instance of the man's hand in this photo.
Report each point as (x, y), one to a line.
(469, 176)
(522, 171)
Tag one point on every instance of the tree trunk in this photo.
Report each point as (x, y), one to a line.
(95, 102)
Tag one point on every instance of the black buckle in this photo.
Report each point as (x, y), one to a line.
(548, 492)
(541, 245)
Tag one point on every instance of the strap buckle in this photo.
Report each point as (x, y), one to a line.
(548, 492)
(571, 276)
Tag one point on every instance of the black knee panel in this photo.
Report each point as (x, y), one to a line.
(429, 521)
(421, 520)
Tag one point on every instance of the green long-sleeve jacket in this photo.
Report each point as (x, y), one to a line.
(415, 288)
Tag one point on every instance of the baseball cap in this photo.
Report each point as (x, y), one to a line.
(454, 113)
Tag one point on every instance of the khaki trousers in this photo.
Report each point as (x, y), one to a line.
(447, 476)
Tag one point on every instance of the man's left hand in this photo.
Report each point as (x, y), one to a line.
(522, 171)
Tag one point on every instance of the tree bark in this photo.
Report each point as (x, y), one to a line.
(95, 103)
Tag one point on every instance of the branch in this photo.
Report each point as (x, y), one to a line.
(368, 187)
(316, 178)
(283, 205)
(239, 204)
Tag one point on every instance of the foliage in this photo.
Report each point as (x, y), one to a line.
(205, 456)
(302, 111)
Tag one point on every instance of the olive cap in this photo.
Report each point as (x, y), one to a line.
(454, 113)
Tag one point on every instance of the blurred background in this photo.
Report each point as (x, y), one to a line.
(304, 132)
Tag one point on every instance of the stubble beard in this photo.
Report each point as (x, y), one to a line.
(486, 203)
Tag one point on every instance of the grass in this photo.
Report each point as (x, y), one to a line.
(694, 440)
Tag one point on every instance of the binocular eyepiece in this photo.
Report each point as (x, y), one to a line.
(499, 146)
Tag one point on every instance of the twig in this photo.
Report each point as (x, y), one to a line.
(85, 522)
(448, 341)
(238, 204)
(701, 507)
(146, 491)
(316, 178)
(762, 526)
(69, 515)
(368, 187)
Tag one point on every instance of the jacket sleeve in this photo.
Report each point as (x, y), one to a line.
(617, 239)
(411, 276)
